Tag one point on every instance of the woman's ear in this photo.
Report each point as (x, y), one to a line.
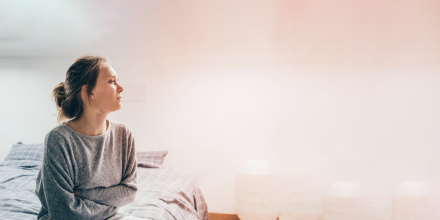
(84, 92)
(84, 89)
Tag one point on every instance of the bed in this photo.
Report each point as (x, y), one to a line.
(163, 192)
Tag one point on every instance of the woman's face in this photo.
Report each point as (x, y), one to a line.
(107, 91)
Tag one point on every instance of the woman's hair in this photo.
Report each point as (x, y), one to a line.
(67, 94)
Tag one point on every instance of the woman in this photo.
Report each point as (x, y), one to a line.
(89, 166)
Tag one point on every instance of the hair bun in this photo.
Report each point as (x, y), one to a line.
(59, 94)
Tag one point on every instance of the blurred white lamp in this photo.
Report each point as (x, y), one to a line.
(412, 188)
(343, 202)
(412, 201)
(257, 191)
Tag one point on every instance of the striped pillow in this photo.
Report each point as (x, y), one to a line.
(151, 159)
(22, 151)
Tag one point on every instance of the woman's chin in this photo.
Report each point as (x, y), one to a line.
(117, 108)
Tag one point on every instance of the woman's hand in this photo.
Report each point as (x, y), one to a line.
(76, 192)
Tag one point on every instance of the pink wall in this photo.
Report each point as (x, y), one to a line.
(342, 89)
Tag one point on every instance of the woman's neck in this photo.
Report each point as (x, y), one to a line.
(89, 127)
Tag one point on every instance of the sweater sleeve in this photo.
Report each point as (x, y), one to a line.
(55, 186)
(123, 193)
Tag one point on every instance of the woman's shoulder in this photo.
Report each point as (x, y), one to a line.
(60, 129)
(121, 126)
(56, 134)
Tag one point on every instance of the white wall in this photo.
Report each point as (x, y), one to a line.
(341, 90)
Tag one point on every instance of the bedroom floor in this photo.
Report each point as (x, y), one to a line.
(217, 216)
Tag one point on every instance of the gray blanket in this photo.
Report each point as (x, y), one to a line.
(163, 193)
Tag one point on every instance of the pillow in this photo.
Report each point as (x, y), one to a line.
(151, 159)
(22, 151)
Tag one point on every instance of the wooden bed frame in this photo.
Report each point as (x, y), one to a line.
(218, 216)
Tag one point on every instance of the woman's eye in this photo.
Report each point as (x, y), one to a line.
(112, 81)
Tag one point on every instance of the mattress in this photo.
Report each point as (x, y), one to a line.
(163, 193)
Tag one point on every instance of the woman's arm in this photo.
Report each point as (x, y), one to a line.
(118, 195)
(77, 194)
(55, 186)
(123, 193)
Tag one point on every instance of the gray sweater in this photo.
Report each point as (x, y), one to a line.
(102, 167)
